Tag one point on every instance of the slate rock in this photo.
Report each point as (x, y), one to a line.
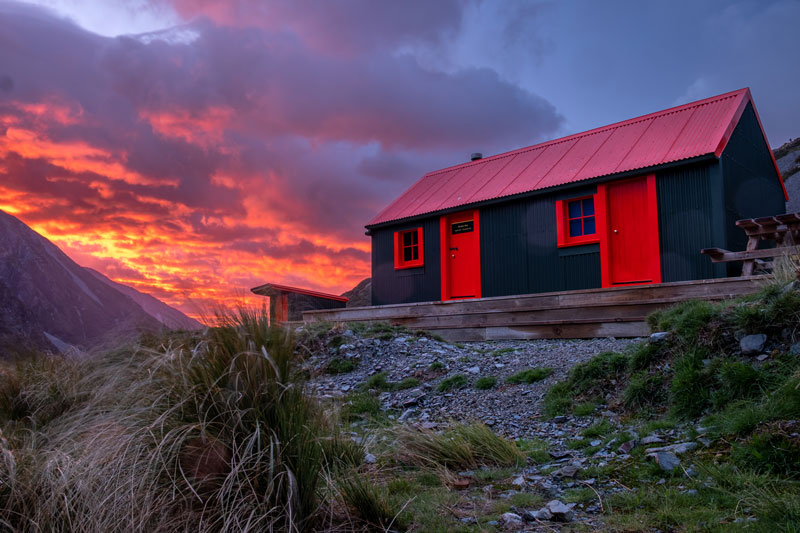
(370, 459)
(474, 370)
(668, 461)
(511, 520)
(659, 337)
(561, 511)
(566, 471)
(535, 516)
(752, 344)
(652, 439)
(626, 447)
(795, 349)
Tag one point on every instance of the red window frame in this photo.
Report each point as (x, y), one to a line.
(563, 237)
(399, 263)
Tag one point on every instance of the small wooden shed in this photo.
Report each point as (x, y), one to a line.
(286, 304)
(625, 204)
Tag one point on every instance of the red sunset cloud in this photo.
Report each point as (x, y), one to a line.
(253, 151)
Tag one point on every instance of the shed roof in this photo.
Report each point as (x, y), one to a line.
(687, 131)
(273, 289)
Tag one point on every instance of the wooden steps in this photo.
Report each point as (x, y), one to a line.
(613, 312)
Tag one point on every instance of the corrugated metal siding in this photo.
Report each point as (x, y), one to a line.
(421, 284)
(504, 257)
(519, 253)
(751, 187)
(581, 267)
(674, 134)
(685, 222)
(303, 302)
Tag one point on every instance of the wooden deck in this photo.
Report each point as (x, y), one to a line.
(614, 312)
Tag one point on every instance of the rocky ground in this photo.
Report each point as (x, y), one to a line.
(570, 478)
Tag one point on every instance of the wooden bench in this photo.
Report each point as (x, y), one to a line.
(784, 230)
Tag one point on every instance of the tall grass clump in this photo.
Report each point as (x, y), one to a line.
(461, 447)
(215, 433)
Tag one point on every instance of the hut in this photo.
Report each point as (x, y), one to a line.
(286, 304)
(625, 204)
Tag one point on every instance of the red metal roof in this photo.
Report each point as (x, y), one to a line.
(691, 130)
(273, 289)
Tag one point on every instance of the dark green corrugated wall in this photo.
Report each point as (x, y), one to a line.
(752, 188)
(519, 253)
(421, 284)
(685, 222)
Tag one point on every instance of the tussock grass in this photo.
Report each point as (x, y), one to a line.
(462, 447)
(216, 434)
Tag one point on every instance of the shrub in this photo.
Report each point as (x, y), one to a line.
(485, 382)
(453, 382)
(531, 375)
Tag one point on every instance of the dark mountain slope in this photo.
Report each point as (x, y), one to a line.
(55, 297)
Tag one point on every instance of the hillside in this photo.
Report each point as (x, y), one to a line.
(46, 295)
(788, 158)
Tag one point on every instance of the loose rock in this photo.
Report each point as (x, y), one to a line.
(752, 344)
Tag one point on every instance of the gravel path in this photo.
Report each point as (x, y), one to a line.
(509, 409)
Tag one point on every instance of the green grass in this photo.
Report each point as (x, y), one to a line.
(436, 365)
(453, 382)
(600, 429)
(502, 351)
(340, 366)
(361, 404)
(535, 450)
(485, 382)
(530, 375)
(584, 409)
(407, 383)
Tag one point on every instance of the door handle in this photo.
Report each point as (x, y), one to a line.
(616, 231)
(453, 256)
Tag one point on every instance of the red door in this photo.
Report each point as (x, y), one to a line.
(461, 256)
(631, 253)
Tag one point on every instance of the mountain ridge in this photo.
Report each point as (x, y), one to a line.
(51, 302)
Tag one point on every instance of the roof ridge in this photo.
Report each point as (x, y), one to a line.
(599, 129)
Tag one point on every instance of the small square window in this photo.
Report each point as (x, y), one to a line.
(575, 221)
(408, 248)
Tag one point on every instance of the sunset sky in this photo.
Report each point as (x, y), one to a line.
(193, 149)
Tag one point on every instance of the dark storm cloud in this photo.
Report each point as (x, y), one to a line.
(264, 133)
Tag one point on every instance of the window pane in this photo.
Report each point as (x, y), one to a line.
(414, 237)
(588, 206)
(575, 228)
(407, 254)
(415, 252)
(588, 226)
(407, 239)
(574, 209)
